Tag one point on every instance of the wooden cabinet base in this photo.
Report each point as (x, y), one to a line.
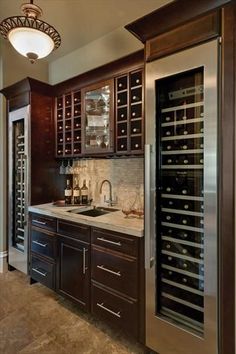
(117, 310)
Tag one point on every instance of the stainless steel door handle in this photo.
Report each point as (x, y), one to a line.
(109, 270)
(147, 217)
(84, 260)
(117, 314)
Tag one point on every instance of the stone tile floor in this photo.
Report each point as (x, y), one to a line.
(33, 319)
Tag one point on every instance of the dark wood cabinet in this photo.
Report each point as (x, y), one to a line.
(116, 280)
(101, 112)
(42, 260)
(129, 110)
(100, 270)
(73, 273)
(68, 124)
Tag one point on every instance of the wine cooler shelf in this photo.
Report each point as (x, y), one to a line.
(180, 267)
(104, 118)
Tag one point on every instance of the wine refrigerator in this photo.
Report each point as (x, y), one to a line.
(181, 202)
(18, 188)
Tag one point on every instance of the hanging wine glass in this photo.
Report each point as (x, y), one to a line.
(106, 140)
(62, 169)
(99, 140)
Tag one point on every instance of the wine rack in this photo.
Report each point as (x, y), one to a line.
(180, 229)
(19, 163)
(68, 125)
(130, 113)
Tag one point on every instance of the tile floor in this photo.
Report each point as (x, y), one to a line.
(33, 319)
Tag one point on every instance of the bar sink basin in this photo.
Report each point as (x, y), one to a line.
(96, 211)
(93, 212)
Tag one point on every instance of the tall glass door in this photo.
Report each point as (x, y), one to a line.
(180, 235)
(181, 202)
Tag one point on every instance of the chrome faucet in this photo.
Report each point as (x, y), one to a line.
(109, 201)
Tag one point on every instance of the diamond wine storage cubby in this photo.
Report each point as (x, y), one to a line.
(68, 125)
(130, 113)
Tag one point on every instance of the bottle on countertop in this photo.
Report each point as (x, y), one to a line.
(84, 193)
(68, 193)
(76, 192)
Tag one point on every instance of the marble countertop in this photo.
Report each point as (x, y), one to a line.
(114, 221)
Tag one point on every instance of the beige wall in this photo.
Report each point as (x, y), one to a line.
(13, 67)
(108, 48)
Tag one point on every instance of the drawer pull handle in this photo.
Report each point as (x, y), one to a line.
(39, 272)
(117, 314)
(40, 244)
(109, 270)
(39, 222)
(108, 241)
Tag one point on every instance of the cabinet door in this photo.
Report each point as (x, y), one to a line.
(98, 118)
(73, 276)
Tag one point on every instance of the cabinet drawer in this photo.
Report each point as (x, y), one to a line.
(116, 310)
(43, 244)
(45, 222)
(42, 271)
(116, 272)
(115, 241)
(74, 230)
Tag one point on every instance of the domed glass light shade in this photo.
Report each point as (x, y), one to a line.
(31, 37)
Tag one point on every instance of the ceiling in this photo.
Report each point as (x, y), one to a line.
(82, 21)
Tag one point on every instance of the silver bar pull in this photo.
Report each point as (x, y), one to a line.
(39, 222)
(84, 260)
(108, 241)
(40, 244)
(109, 270)
(147, 208)
(39, 272)
(117, 314)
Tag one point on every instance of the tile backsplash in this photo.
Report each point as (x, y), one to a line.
(125, 175)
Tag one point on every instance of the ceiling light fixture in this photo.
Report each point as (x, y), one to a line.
(31, 37)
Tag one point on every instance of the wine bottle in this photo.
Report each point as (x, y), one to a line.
(68, 193)
(76, 192)
(84, 193)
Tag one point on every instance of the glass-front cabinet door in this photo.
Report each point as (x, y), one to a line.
(98, 118)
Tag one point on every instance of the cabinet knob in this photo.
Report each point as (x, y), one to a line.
(122, 146)
(77, 138)
(60, 140)
(133, 114)
(134, 97)
(137, 81)
(59, 116)
(120, 85)
(60, 127)
(122, 115)
(134, 130)
(68, 139)
(76, 111)
(68, 114)
(75, 99)
(136, 145)
(118, 100)
(67, 102)
(122, 131)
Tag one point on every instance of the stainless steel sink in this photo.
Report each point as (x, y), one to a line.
(96, 211)
(107, 209)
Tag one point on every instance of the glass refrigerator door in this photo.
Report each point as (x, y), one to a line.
(180, 148)
(181, 202)
(18, 211)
